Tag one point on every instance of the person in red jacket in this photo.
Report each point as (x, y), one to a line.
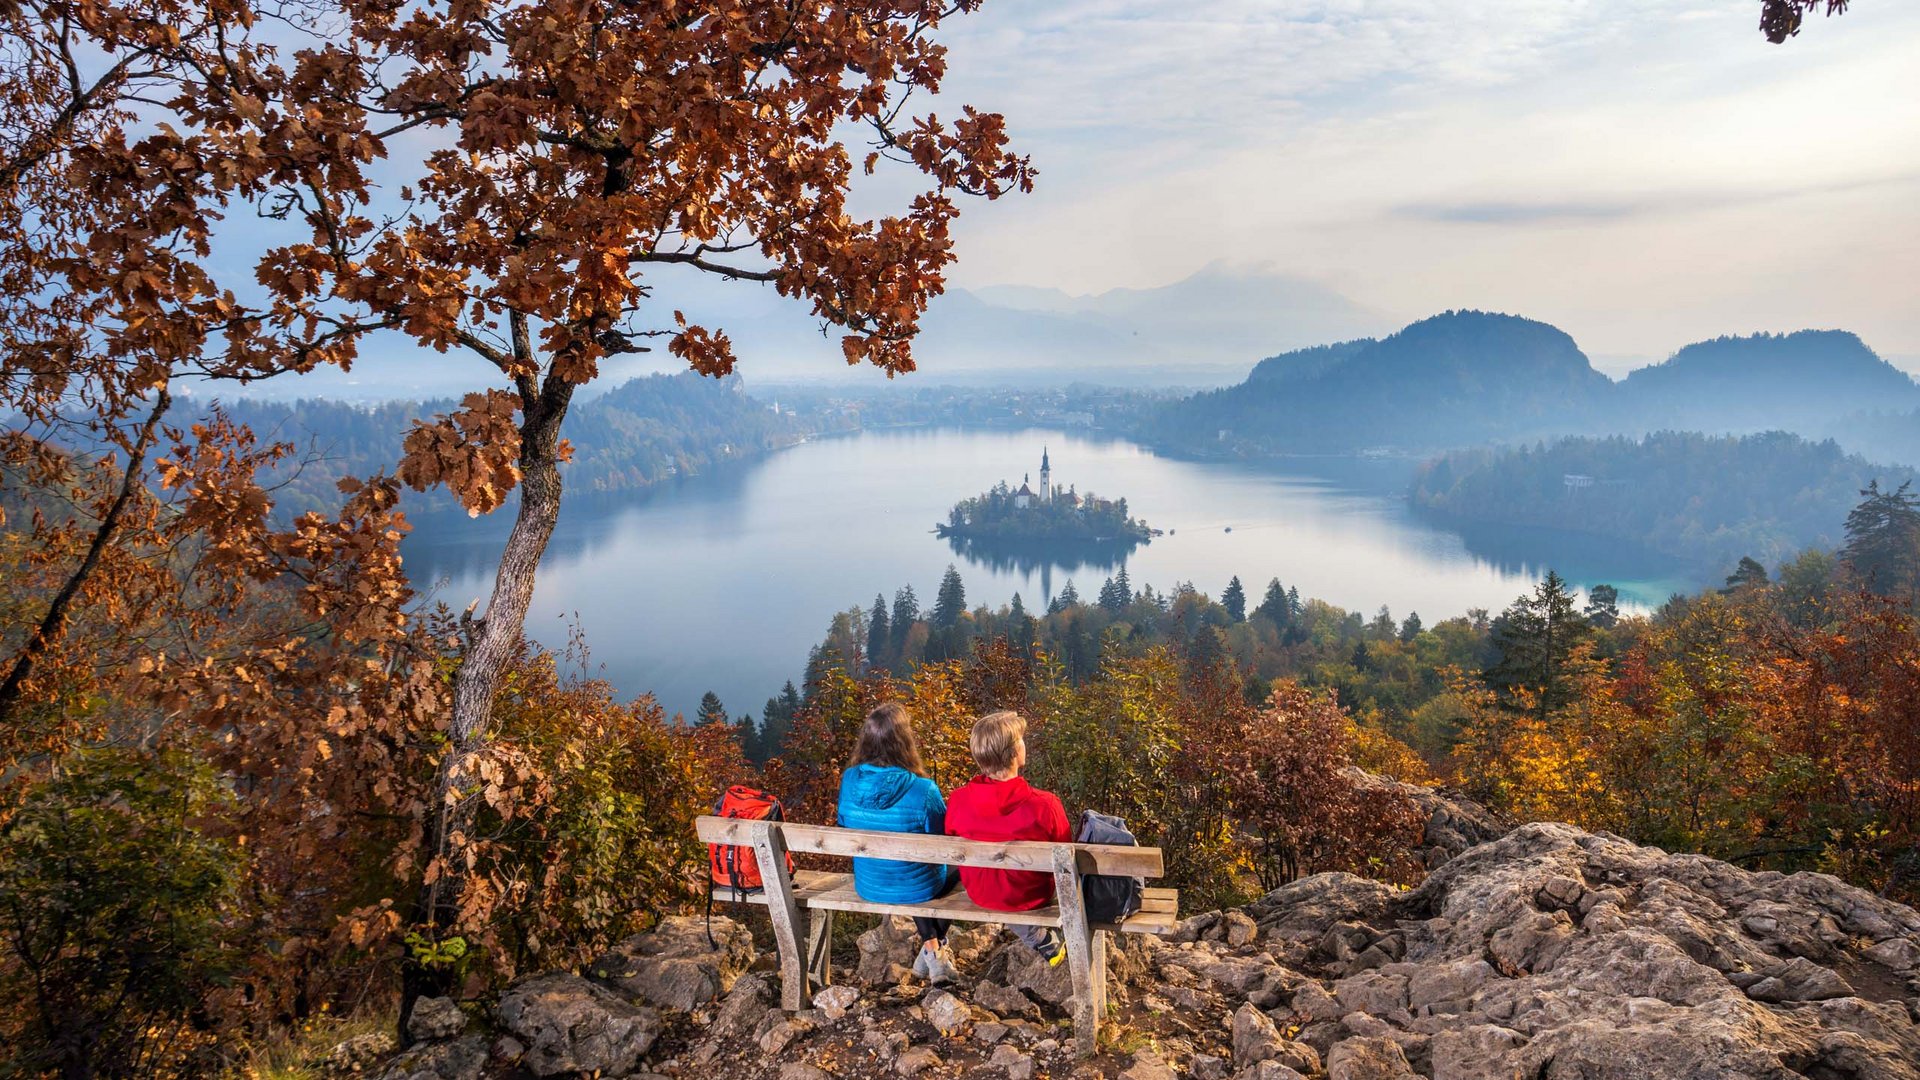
(998, 805)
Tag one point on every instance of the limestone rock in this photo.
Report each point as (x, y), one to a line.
(800, 1070)
(836, 1001)
(1240, 928)
(459, 1059)
(571, 1025)
(1004, 1000)
(673, 967)
(1148, 1065)
(892, 942)
(353, 1056)
(1016, 1065)
(435, 1018)
(1027, 970)
(1368, 1058)
(915, 1060)
(1268, 1070)
(948, 1014)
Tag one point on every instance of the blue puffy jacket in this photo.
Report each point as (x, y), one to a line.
(886, 798)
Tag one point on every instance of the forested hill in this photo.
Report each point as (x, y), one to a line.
(640, 433)
(1703, 497)
(1799, 382)
(1456, 378)
(1467, 377)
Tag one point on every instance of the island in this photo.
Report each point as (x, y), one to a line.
(1004, 513)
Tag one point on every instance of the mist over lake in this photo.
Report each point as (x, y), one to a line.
(722, 581)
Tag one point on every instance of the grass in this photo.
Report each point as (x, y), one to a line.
(300, 1053)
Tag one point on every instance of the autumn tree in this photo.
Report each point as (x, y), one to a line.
(1781, 19)
(1534, 638)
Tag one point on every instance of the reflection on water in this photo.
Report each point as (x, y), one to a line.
(722, 581)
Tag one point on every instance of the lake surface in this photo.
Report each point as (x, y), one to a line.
(724, 580)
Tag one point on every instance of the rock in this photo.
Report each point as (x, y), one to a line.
(435, 1018)
(836, 1001)
(1900, 954)
(800, 1070)
(893, 942)
(1430, 985)
(886, 1045)
(508, 1049)
(915, 1060)
(1254, 1036)
(571, 1025)
(1207, 1067)
(1016, 1065)
(1374, 992)
(1027, 970)
(1312, 1002)
(775, 1039)
(1268, 1070)
(948, 1014)
(1148, 1065)
(459, 1059)
(352, 1056)
(1479, 1052)
(673, 967)
(1004, 1000)
(1799, 979)
(742, 1009)
(1368, 1058)
(1240, 928)
(990, 1033)
(1304, 910)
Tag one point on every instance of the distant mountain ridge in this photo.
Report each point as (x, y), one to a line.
(1455, 378)
(1466, 377)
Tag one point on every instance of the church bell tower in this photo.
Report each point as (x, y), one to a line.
(1046, 477)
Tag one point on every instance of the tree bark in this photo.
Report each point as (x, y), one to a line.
(55, 621)
(492, 645)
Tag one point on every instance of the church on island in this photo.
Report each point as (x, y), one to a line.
(1047, 513)
(1047, 494)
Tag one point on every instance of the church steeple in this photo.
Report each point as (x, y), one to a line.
(1046, 477)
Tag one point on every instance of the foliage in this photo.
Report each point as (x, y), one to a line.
(118, 914)
(1708, 498)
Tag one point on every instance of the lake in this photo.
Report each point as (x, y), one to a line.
(723, 581)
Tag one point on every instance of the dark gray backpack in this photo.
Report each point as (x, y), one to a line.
(1109, 898)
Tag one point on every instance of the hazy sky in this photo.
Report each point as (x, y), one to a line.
(1642, 173)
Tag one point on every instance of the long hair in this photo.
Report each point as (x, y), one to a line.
(886, 738)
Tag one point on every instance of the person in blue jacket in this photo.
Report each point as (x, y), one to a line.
(885, 788)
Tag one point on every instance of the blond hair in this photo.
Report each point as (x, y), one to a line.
(996, 740)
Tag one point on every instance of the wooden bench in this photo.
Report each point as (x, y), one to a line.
(804, 964)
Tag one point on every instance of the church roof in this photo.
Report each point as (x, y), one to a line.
(1024, 490)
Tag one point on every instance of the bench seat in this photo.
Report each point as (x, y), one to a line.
(826, 891)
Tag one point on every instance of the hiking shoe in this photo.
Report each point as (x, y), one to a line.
(938, 965)
(1052, 949)
(920, 964)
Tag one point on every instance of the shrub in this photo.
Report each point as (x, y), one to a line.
(116, 910)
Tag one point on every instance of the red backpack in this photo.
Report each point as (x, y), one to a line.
(733, 866)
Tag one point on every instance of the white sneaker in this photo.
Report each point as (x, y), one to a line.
(920, 964)
(939, 967)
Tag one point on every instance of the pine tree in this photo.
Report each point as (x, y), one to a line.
(1235, 600)
(1294, 608)
(1533, 640)
(879, 634)
(1603, 606)
(1382, 626)
(1017, 610)
(1883, 540)
(1411, 628)
(1748, 575)
(711, 711)
(1114, 596)
(1069, 598)
(1273, 607)
(951, 603)
(906, 612)
(1124, 586)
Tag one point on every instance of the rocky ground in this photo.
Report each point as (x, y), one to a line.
(1547, 953)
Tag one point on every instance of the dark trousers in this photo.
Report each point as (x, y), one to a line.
(936, 929)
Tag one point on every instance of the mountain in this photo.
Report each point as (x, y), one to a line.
(1453, 379)
(1800, 382)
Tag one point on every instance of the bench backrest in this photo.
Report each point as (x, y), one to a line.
(1036, 855)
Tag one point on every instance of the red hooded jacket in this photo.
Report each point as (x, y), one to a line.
(988, 809)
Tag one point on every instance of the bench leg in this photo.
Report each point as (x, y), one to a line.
(770, 850)
(1086, 953)
(819, 948)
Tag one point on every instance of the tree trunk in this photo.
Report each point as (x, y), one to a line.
(55, 621)
(494, 640)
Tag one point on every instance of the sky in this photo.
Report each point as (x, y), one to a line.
(1641, 174)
